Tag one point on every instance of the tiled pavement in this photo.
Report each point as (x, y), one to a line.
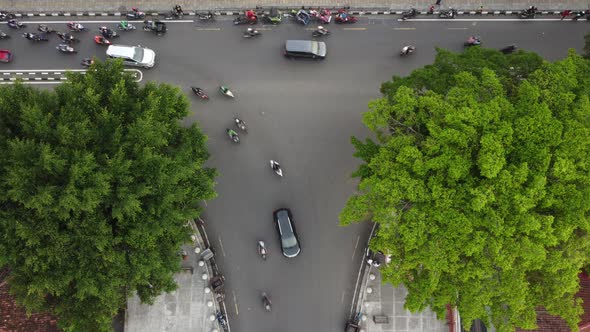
(385, 300)
(29, 6)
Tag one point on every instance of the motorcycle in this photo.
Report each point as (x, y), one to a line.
(107, 33)
(232, 135)
(249, 33)
(321, 31)
(221, 320)
(87, 62)
(276, 167)
(472, 41)
(274, 16)
(266, 302)
(248, 18)
(582, 14)
(226, 91)
(36, 36)
(76, 27)
(176, 13)
(241, 124)
(448, 13)
(67, 38)
(407, 50)
(3, 35)
(125, 26)
(199, 92)
(411, 14)
(209, 16)
(100, 40)
(302, 17)
(44, 28)
(527, 13)
(262, 249)
(64, 48)
(344, 18)
(156, 26)
(324, 16)
(6, 16)
(508, 49)
(13, 23)
(136, 14)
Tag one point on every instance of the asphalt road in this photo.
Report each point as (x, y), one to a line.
(301, 113)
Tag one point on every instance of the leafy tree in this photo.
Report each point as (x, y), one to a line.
(97, 182)
(479, 183)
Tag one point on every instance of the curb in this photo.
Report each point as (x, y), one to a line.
(235, 13)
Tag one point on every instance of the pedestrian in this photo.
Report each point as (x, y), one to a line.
(431, 10)
(438, 2)
(565, 13)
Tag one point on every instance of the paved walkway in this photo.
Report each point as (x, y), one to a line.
(30, 6)
(188, 309)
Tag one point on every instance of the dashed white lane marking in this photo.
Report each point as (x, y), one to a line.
(235, 303)
(358, 238)
(404, 28)
(221, 245)
(480, 20)
(99, 21)
(457, 28)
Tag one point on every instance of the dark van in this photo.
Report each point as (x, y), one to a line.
(305, 49)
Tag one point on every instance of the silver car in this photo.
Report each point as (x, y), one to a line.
(287, 234)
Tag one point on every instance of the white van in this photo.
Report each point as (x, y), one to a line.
(133, 55)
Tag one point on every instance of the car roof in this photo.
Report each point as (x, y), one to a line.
(299, 45)
(121, 50)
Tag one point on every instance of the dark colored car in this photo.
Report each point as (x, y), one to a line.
(305, 49)
(287, 234)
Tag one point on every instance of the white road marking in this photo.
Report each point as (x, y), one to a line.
(355, 29)
(342, 298)
(235, 303)
(100, 21)
(208, 29)
(404, 28)
(19, 72)
(221, 245)
(457, 28)
(358, 238)
(356, 285)
(480, 20)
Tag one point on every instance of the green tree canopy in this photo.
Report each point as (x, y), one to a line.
(97, 182)
(479, 183)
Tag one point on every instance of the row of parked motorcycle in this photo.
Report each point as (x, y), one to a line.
(275, 16)
(524, 14)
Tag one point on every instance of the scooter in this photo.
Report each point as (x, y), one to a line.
(125, 26)
(76, 27)
(226, 91)
(262, 249)
(448, 13)
(472, 41)
(199, 92)
(276, 167)
(344, 17)
(6, 16)
(209, 16)
(136, 14)
(250, 33)
(241, 124)
(508, 49)
(221, 320)
(411, 14)
(87, 62)
(36, 36)
(3, 35)
(407, 50)
(100, 40)
(526, 14)
(67, 38)
(66, 49)
(320, 32)
(232, 135)
(107, 33)
(266, 302)
(45, 28)
(13, 23)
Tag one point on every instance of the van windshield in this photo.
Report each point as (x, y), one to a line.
(314, 47)
(138, 54)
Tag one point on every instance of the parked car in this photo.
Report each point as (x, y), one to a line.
(305, 49)
(287, 235)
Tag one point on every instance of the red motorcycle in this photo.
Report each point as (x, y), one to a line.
(324, 16)
(249, 17)
(344, 17)
(100, 40)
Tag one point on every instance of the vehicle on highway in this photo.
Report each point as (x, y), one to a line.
(508, 49)
(262, 249)
(232, 135)
(136, 56)
(67, 37)
(208, 16)
(249, 17)
(65, 48)
(15, 24)
(323, 16)
(472, 41)
(241, 124)
(125, 26)
(107, 33)
(156, 26)
(249, 33)
(451, 13)
(36, 36)
(45, 28)
(273, 17)
(303, 17)
(5, 16)
(320, 32)
(407, 50)
(305, 49)
(5, 56)
(74, 26)
(87, 62)
(410, 14)
(287, 235)
(344, 17)
(199, 92)
(100, 40)
(226, 92)
(275, 166)
(135, 14)
(266, 301)
(3, 35)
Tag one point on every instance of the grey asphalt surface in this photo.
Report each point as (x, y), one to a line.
(301, 113)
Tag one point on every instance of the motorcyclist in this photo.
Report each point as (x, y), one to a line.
(232, 133)
(178, 11)
(13, 22)
(124, 25)
(28, 35)
(322, 30)
(76, 26)
(87, 62)
(408, 49)
(261, 248)
(199, 91)
(266, 301)
(473, 40)
(224, 89)
(275, 166)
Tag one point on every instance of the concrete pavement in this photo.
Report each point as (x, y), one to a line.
(49, 6)
(192, 307)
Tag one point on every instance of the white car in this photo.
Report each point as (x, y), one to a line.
(136, 56)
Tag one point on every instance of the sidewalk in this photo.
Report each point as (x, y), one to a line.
(190, 308)
(51, 6)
